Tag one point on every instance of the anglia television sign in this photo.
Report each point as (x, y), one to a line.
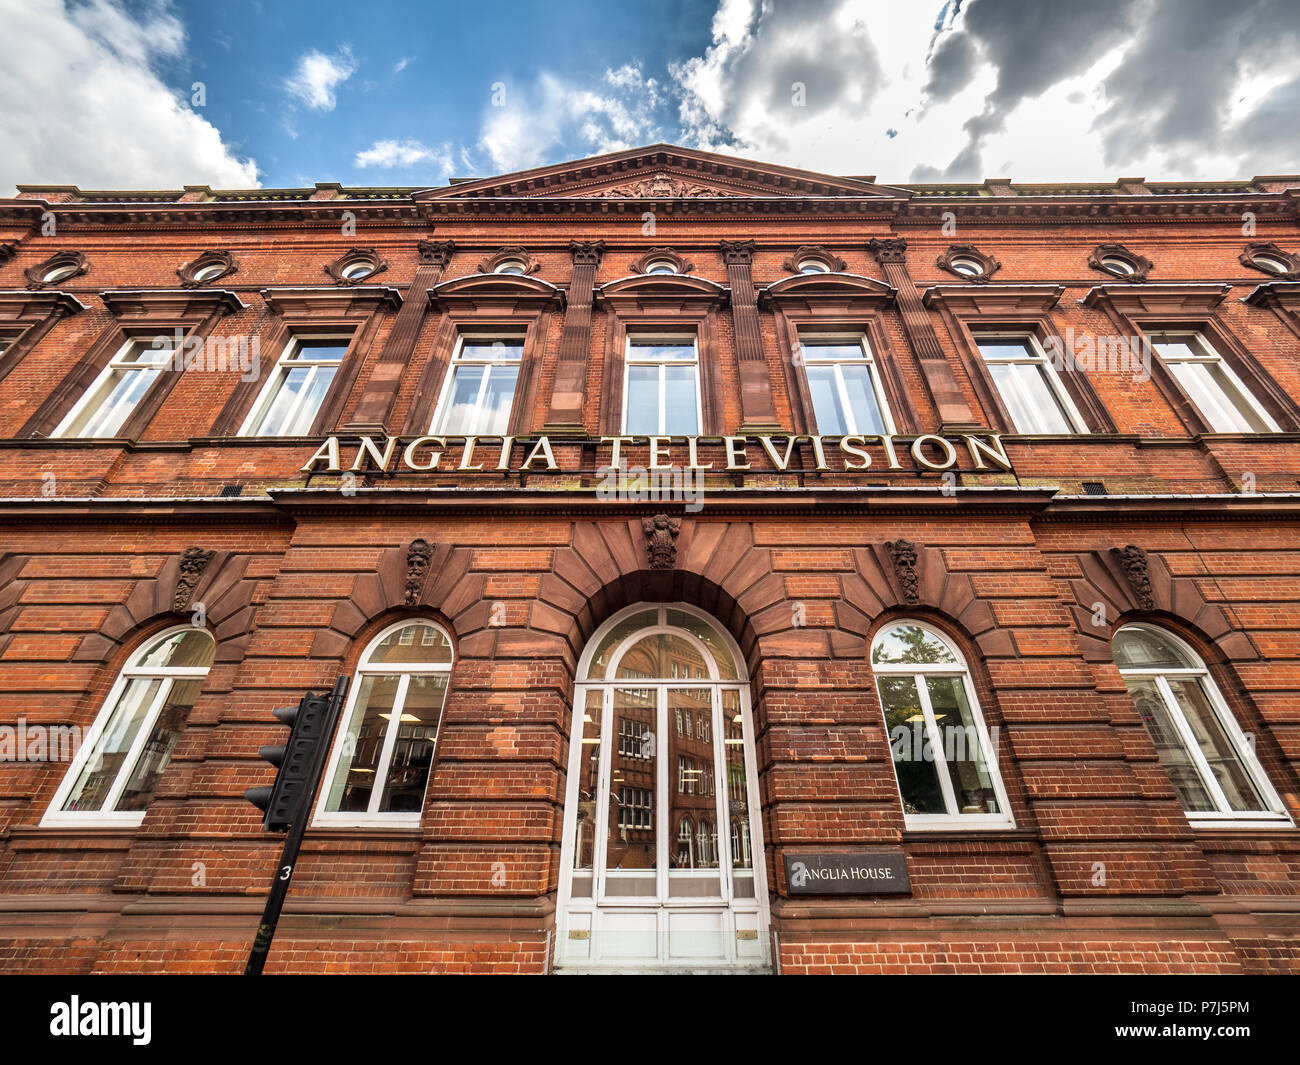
(926, 453)
(857, 873)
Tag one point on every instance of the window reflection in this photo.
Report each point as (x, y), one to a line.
(385, 748)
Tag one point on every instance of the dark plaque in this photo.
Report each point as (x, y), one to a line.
(860, 873)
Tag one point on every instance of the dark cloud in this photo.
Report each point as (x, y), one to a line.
(1174, 87)
(1268, 139)
(1032, 45)
(1035, 44)
(951, 66)
(1172, 90)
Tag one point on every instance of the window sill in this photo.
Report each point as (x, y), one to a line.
(396, 824)
(91, 821)
(959, 823)
(1272, 822)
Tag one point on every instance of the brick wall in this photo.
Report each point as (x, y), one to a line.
(794, 573)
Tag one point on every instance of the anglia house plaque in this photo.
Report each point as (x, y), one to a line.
(860, 873)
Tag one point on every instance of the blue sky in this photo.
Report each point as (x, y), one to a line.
(422, 72)
(100, 93)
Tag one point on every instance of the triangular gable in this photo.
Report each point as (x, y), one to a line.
(660, 172)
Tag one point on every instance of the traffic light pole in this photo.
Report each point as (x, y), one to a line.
(293, 842)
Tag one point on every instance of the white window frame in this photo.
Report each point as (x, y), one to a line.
(635, 340)
(1077, 426)
(209, 272)
(1211, 356)
(810, 339)
(372, 817)
(918, 673)
(55, 815)
(56, 274)
(1276, 814)
(96, 394)
(358, 270)
(280, 375)
(458, 360)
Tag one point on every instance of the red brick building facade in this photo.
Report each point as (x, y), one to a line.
(954, 529)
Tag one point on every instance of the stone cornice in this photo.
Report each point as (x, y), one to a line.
(1287, 293)
(1162, 297)
(177, 302)
(902, 209)
(305, 299)
(1038, 504)
(995, 298)
(658, 289)
(837, 287)
(24, 303)
(508, 290)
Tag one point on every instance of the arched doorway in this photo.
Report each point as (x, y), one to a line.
(662, 857)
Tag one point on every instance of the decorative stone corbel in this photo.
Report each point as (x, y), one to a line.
(661, 540)
(1133, 561)
(193, 562)
(902, 555)
(418, 557)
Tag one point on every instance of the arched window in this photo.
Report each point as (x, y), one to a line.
(685, 845)
(1208, 759)
(116, 770)
(380, 764)
(943, 758)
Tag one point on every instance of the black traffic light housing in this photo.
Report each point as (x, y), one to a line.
(296, 760)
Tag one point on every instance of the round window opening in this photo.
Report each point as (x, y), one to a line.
(967, 267)
(356, 271)
(510, 266)
(813, 266)
(661, 266)
(207, 273)
(1272, 264)
(59, 273)
(1118, 266)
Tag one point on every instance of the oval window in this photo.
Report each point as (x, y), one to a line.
(59, 273)
(1272, 264)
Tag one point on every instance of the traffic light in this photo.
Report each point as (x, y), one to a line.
(297, 761)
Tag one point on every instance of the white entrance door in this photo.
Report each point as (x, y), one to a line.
(662, 848)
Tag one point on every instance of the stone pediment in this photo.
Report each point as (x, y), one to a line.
(661, 172)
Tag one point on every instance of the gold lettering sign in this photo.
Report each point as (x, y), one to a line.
(785, 453)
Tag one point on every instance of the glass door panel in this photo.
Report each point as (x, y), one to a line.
(692, 805)
(737, 794)
(584, 850)
(631, 854)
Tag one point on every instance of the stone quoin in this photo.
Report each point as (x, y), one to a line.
(684, 525)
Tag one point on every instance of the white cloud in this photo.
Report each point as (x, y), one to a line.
(403, 63)
(618, 112)
(1005, 88)
(84, 105)
(390, 154)
(317, 76)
